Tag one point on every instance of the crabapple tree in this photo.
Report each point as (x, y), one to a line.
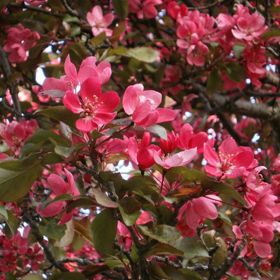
(140, 139)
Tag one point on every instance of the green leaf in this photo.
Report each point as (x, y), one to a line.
(121, 8)
(32, 277)
(158, 130)
(130, 210)
(271, 33)
(53, 230)
(68, 276)
(238, 50)
(16, 178)
(3, 212)
(163, 233)
(144, 54)
(221, 253)
(214, 81)
(224, 190)
(99, 39)
(59, 113)
(180, 274)
(103, 199)
(192, 248)
(104, 228)
(163, 249)
(184, 175)
(235, 71)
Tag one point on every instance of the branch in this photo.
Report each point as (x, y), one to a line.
(35, 9)
(228, 263)
(69, 8)
(7, 72)
(36, 232)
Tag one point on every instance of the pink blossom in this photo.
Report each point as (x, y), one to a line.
(248, 26)
(144, 8)
(59, 187)
(141, 152)
(188, 139)
(99, 22)
(231, 160)
(263, 235)
(124, 236)
(94, 106)
(73, 78)
(194, 212)
(193, 32)
(178, 159)
(177, 11)
(16, 133)
(144, 218)
(143, 106)
(18, 42)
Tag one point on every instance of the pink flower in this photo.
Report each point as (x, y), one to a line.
(144, 8)
(59, 187)
(176, 11)
(178, 159)
(19, 41)
(98, 22)
(143, 106)
(141, 152)
(144, 218)
(248, 26)
(263, 235)
(194, 212)
(94, 106)
(193, 32)
(16, 133)
(124, 236)
(188, 139)
(73, 78)
(231, 160)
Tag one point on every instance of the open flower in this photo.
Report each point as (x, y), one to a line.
(231, 160)
(178, 159)
(196, 211)
(143, 106)
(99, 22)
(95, 107)
(59, 187)
(73, 78)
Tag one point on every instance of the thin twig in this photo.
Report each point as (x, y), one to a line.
(8, 72)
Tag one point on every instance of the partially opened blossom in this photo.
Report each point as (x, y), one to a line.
(174, 160)
(143, 106)
(99, 23)
(96, 108)
(194, 212)
(73, 79)
(59, 187)
(230, 161)
(141, 152)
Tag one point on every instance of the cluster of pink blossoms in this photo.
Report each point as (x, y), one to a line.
(16, 252)
(19, 41)
(196, 31)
